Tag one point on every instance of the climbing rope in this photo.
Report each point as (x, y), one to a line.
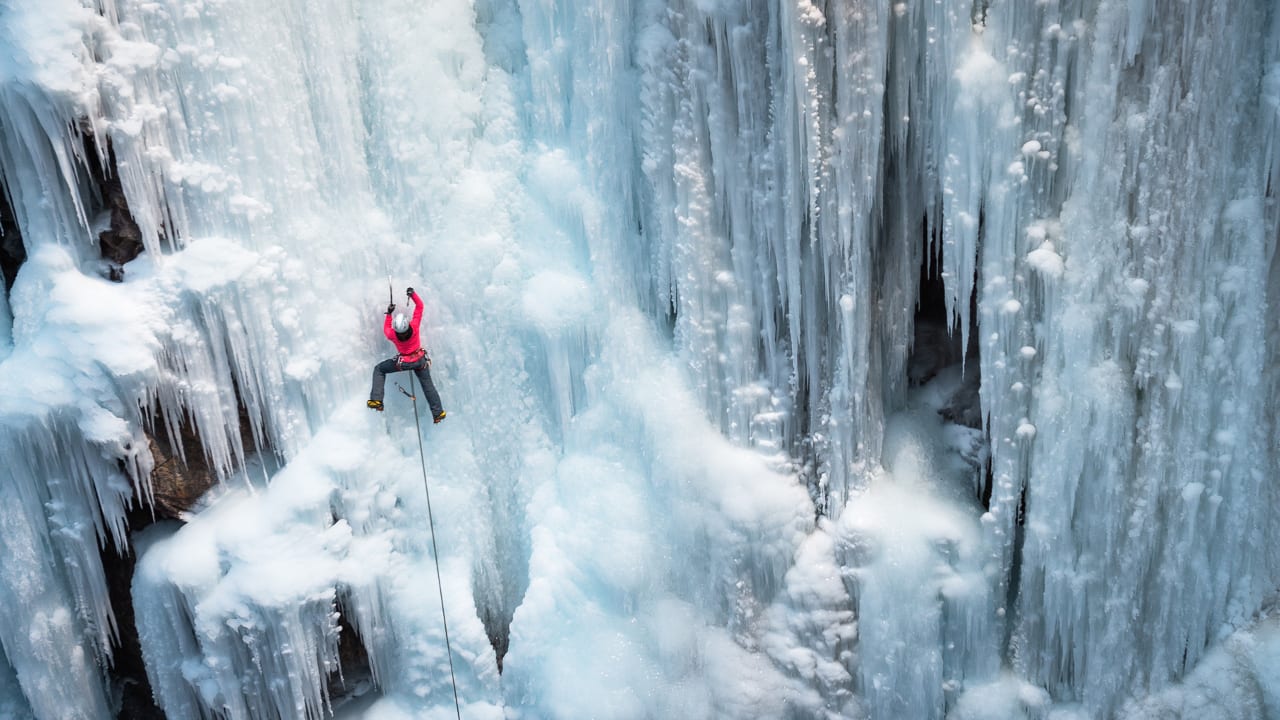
(435, 554)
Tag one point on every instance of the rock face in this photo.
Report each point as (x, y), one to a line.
(12, 251)
(122, 241)
(128, 670)
(353, 676)
(935, 346)
(965, 406)
(176, 485)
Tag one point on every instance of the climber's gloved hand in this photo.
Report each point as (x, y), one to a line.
(391, 308)
(409, 292)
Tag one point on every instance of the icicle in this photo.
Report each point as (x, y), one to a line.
(763, 180)
(60, 625)
(1148, 399)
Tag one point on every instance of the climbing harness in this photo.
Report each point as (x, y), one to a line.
(412, 357)
(435, 548)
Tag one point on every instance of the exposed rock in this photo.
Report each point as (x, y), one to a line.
(936, 346)
(122, 241)
(964, 407)
(354, 675)
(175, 485)
(12, 251)
(936, 339)
(128, 672)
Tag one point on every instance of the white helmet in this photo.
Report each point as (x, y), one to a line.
(400, 323)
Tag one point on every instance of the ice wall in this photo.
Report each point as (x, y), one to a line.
(235, 175)
(238, 609)
(1097, 176)
(1141, 323)
(672, 254)
(1132, 185)
(763, 187)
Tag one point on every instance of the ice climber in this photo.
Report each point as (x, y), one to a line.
(403, 333)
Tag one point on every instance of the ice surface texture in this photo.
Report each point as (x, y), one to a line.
(671, 252)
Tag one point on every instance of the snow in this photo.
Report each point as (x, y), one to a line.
(1236, 680)
(670, 253)
(554, 301)
(916, 538)
(1047, 261)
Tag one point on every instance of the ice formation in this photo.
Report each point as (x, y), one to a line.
(849, 359)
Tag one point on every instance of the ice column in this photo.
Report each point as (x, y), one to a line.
(762, 138)
(63, 501)
(1148, 482)
(146, 81)
(254, 659)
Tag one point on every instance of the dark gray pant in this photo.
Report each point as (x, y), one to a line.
(419, 368)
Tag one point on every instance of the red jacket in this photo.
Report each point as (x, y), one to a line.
(407, 348)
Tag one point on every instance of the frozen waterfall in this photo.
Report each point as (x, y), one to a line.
(803, 359)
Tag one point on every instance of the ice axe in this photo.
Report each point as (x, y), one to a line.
(391, 296)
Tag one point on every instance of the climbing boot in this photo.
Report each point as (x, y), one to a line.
(375, 405)
(438, 418)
